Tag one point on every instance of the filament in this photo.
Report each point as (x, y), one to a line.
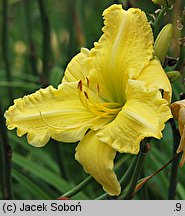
(68, 127)
(94, 105)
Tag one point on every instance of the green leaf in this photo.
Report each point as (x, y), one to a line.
(181, 191)
(45, 175)
(30, 186)
(19, 85)
(39, 153)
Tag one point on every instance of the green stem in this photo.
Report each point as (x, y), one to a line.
(5, 159)
(32, 51)
(128, 192)
(158, 21)
(46, 52)
(175, 163)
(79, 187)
(4, 41)
(146, 179)
(181, 62)
(87, 181)
(128, 175)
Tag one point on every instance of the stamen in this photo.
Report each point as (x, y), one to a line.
(94, 105)
(79, 85)
(68, 127)
(81, 97)
(98, 88)
(51, 126)
(86, 95)
(88, 83)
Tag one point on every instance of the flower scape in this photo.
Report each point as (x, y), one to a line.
(111, 98)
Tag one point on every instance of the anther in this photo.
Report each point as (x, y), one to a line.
(88, 83)
(98, 88)
(79, 85)
(86, 95)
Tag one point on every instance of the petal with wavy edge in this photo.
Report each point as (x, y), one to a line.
(155, 77)
(124, 49)
(182, 147)
(97, 160)
(56, 113)
(181, 120)
(74, 70)
(142, 116)
(178, 110)
(176, 106)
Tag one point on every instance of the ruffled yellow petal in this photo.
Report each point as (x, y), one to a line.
(155, 77)
(74, 70)
(181, 123)
(176, 106)
(182, 147)
(142, 116)
(122, 52)
(97, 160)
(181, 120)
(56, 113)
(178, 110)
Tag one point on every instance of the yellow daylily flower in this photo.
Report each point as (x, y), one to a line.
(178, 110)
(117, 90)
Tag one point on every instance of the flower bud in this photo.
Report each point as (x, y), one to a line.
(163, 42)
(173, 75)
(166, 3)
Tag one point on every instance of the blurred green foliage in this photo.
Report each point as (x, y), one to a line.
(47, 173)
